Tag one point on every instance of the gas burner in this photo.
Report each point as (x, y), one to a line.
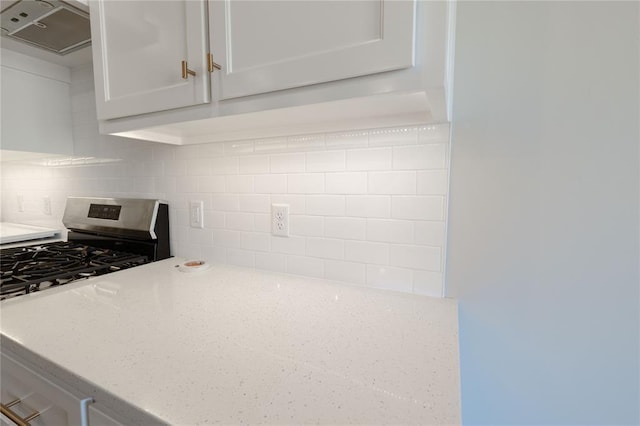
(30, 269)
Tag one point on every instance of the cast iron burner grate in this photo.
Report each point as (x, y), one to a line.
(25, 270)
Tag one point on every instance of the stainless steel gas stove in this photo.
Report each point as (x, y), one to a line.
(105, 235)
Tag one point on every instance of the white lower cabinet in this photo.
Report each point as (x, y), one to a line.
(29, 397)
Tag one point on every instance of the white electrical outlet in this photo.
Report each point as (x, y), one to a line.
(46, 206)
(196, 214)
(280, 220)
(20, 203)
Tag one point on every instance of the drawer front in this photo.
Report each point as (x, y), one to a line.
(56, 405)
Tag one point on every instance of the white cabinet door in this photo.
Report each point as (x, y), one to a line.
(36, 394)
(265, 46)
(138, 49)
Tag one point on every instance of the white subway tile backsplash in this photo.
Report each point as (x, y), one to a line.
(393, 136)
(184, 184)
(305, 142)
(270, 145)
(210, 150)
(325, 161)
(309, 266)
(262, 222)
(238, 148)
(212, 219)
(392, 183)
(369, 206)
(434, 133)
(432, 182)
(243, 258)
(213, 254)
(367, 252)
(325, 205)
(369, 159)
(305, 183)
(390, 231)
(297, 203)
(271, 262)
(225, 202)
(417, 208)
(211, 184)
(226, 238)
(239, 221)
(345, 140)
(310, 226)
(198, 167)
(345, 228)
(176, 167)
(239, 184)
(390, 278)
(346, 183)
(366, 206)
(429, 156)
(345, 271)
(253, 164)
(270, 184)
(255, 203)
(288, 163)
(428, 283)
(198, 236)
(429, 233)
(291, 245)
(257, 241)
(224, 166)
(186, 152)
(325, 248)
(415, 257)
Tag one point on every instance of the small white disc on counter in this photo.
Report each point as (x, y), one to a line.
(194, 266)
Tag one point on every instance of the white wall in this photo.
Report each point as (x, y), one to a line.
(543, 227)
(367, 207)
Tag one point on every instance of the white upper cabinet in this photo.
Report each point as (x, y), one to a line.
(138, 52)
(283, 66)
(264, 46)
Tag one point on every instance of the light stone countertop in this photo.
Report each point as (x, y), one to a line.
(232, 345)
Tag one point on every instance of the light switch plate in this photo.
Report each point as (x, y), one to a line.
(196, 214)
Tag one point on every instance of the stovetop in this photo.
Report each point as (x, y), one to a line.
(35, 268)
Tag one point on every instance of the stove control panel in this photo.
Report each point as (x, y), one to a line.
(103, 211)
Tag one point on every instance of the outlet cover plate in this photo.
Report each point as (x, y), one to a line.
(280, 220)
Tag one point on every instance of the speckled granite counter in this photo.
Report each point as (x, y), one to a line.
(231, 345)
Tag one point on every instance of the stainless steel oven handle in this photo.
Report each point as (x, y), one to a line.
(6, 410)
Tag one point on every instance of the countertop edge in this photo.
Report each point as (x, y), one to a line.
(105, 401)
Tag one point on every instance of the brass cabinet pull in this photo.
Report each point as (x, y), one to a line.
(15, 418)
(211, 66)
(186, 72)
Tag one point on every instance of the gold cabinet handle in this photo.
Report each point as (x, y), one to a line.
(14, 417)
(186, 72)
(211, 66)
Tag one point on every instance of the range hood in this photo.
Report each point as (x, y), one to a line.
(54, 25)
